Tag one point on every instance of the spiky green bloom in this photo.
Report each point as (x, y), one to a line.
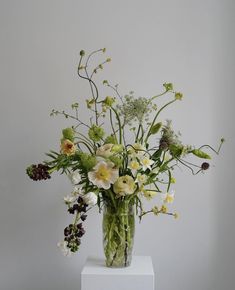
(68, 133)
(87, 161)
(96, 133)
(110, 140)
(117, 148)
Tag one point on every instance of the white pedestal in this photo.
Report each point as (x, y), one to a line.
(139, 276)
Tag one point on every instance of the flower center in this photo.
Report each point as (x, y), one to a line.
(103, 173)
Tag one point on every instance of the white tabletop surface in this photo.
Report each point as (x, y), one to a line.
(141, 265)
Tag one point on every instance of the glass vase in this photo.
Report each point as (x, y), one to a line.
(118, 234)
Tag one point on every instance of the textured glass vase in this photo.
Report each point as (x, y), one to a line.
(118, 234)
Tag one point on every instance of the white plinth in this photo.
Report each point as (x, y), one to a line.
(139, 276)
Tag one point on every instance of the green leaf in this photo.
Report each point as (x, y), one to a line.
(200, 154)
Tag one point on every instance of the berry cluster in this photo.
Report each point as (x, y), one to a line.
(38, 172)
(74, 232)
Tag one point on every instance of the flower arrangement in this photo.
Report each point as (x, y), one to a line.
(115, 175)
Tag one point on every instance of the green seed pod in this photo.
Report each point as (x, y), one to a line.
(200, 154)
(82, 52)
(155, 128)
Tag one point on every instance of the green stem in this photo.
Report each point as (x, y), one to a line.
(155, 118)
(119, 125)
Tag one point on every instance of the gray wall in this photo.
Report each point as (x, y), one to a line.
(190, 43)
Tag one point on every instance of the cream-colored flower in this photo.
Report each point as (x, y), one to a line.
(64, 248)
(146, 163)
(90, 198)
(141, 179)
(67, 147)
(105, 150)
(134, 166)
(103, 174)
(75, 177)
(149, 194)
(125, 185)
(168, 197)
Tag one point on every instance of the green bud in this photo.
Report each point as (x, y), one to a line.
(200, 154)
(155, 128)
(116, 160)
(82, 52)
(178, 96)
(90, 103)
(168, 86)
(75, 105)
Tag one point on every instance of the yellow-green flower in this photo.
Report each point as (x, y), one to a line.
(168, 197)
(149, 194)
(67, 147)
(178, 96)
(108, 101)
(124, 185)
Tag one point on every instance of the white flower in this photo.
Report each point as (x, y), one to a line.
(168, 197)
(105, 150)
(134, 166)
(103, 174)
(146, 163)
(76, 191)
(149, 194)
(75, 177)
(69, 199)
(137, 150)
(90, 198)
(141, 179)
(64, 248)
